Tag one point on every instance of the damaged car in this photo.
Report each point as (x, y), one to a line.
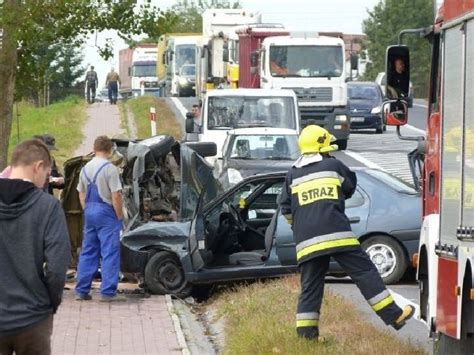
(183, 229)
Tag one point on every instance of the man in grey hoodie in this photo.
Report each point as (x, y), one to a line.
(34, 253)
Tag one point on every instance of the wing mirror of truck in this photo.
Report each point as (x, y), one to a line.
(225, 53)
(397, 69)
(395, 112)
(354, 61)
(189, 125)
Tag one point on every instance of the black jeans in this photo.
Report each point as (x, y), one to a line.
(32, 340)
(90, 93)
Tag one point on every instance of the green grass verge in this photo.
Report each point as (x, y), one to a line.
(166, 122)
(260, 319)
(64, 120)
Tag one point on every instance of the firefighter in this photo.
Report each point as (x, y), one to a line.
(313, 200)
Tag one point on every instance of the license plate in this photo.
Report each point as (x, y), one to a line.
(357, 119)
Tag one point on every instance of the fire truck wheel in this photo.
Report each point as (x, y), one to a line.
(388, 257)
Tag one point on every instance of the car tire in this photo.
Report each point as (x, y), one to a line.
(388, 256)
(342, 144)
(379, 130)
(164, 274)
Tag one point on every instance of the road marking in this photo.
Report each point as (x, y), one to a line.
(402, 302)
(420, 105)
(417, 130)
(363, 160)
(179, 106)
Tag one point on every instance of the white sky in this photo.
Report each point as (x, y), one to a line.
(297, 15)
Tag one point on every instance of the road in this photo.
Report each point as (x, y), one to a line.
(384, 151)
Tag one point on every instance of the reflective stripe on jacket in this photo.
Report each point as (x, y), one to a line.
(313, 200)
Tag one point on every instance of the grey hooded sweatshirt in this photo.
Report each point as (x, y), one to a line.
(34, 255)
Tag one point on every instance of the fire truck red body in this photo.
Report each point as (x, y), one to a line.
(446, 254)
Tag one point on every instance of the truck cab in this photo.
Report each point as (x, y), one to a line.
(313, 67)
(228, 109)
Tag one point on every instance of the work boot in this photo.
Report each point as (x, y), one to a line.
(408, 312)
(83, 297)
(115, 298)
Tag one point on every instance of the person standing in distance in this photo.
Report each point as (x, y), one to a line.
(91, 84)
(34, 253)
(313, 201)
(100, 194)
(112, 82)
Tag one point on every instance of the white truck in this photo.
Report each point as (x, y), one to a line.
(219, 38)
(180, 63)
(313, 66)
(137, 70)
(228, 109)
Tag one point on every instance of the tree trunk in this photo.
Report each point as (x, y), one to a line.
(8, 63)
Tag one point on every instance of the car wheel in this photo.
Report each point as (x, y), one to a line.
(379, 130)
(342, 144)
(388, 257)
(385, 128)
(165, 275)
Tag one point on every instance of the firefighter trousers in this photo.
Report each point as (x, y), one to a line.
(361, 270)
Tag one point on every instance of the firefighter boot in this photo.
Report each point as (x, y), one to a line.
(408, 312)
(309, 333)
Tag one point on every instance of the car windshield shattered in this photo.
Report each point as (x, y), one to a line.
(306, 61)
(227, 112)
(259, 147)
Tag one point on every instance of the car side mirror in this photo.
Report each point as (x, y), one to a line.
(397, 69)
(395, 112)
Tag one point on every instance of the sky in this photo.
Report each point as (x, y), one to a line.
(297, 15)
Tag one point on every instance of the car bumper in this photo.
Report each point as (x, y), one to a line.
(360, 121)
(132, 261)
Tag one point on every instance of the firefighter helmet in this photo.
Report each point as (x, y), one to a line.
(316, 139)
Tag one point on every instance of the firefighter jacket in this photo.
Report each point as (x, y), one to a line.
(313, 201)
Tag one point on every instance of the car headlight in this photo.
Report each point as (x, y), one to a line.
(376, 110)
(234, 176)
(183, 81)
(341, 118)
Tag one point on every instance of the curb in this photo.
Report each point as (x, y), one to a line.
(177, 326)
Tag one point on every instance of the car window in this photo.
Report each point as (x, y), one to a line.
(362, 92)
(276, 147)
(266, 203)
(356, 200)
(392, 181)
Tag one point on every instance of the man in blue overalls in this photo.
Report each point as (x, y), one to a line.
(100, 193)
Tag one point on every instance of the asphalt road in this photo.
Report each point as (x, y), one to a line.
(384, 151)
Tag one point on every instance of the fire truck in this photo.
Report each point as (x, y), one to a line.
(443, 167)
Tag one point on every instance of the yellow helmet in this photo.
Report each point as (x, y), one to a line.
(316, 139)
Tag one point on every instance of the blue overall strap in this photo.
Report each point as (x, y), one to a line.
(85, 174)
(99, 170)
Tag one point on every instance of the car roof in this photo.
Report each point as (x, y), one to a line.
(251, 92)
(262, 131)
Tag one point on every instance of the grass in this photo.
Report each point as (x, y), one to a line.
(140, 107)
(260, 319)
(64, 120)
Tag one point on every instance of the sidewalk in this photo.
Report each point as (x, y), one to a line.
(139, 326)
(142, 325)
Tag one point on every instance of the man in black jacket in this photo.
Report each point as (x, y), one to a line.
(34, 253)
(313, 201)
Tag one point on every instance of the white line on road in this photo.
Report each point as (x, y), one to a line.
(179, 106)
(417, 130)
(420, 105)
(363, 160)
(402, 302)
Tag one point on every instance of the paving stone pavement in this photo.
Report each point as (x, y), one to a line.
(138, 326)
(103, 119)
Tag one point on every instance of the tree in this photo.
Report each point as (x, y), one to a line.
(190, 12)
(27, 23)
(382, 27)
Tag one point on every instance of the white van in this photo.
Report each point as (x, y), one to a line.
(228, 109)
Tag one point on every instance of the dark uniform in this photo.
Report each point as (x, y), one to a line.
(314, 199)
(91, 84)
